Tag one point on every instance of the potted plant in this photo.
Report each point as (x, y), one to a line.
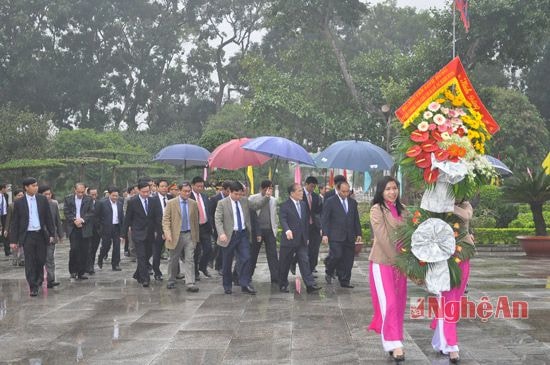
(533, 189)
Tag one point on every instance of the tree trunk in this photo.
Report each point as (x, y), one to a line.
(538, 218)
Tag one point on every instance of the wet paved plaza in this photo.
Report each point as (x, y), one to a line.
(110, 319)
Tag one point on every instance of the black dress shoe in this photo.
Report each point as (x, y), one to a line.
(158, 277)
(397, 358)
(51, 284)
(228, 291)
(293, 269)
(171, 286)
(82, 277)
(34, 293)
(313, 289)
(284, 289)
(248, 290)
(192, 289)
(349, 286)
(145, 284)
(100, 264)
(117, 268)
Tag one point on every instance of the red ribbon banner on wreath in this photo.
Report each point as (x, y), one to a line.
(452, 74)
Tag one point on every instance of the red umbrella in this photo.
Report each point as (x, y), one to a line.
(231, 156)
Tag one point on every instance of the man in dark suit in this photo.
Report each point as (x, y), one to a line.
(158, 245)
(110, 217)
(294, 238)
(96, 237)
(341, 229)
(314, 207)
(203, 251)
(330, 193)
(79, 214)
(217, 255)
(58, 234)
(32, 227)
(145, 223)
(3, 217)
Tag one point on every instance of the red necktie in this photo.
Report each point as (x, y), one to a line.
(202, 217)
(310, 212)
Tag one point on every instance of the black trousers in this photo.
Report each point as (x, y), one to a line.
(203, 250)
(142, 248)
(341, 257)
(270, 252)
(79, 252)
(94, 245)
(4, 240)
(35, 248)
(286, 258)
(313, 246)
(158, 243)
(106, 241)
(238, 246)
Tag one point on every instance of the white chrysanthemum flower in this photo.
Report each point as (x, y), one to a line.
(439, 119)
(434, 106)
(423, 126)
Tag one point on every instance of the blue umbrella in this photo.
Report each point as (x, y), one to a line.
(501, 168)
(184, 155)
(279, 148)
(354, 155)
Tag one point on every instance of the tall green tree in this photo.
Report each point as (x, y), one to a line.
(523, 140)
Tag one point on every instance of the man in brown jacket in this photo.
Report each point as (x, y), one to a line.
(180, 224)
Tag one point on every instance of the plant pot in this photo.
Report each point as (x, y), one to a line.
(535, 245)
(358, 248)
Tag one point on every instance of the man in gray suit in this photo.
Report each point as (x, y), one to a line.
(267, 231)
(232, 220)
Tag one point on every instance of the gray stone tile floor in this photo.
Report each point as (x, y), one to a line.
(77, 322)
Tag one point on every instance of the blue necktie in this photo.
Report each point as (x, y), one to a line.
(146, 207)
(299, 209)
(184, 217)
(239, 221)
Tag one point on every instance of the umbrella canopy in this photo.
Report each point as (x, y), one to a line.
(501, 168)
(354, 155)
(280, 148)
(183, 154)
(231, 156)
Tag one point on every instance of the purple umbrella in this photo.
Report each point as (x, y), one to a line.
(279, 148)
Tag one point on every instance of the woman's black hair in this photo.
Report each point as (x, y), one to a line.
(379, 194)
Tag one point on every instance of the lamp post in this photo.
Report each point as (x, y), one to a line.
(387, 115)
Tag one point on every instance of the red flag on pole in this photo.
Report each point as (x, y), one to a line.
(462, 7)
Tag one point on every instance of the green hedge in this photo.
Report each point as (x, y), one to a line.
(502, 236)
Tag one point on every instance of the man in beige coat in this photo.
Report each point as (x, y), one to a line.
(232, 220)
(180, 224)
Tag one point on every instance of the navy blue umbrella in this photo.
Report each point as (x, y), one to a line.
(184, 155)
(500, 166)
(354, 155)
(279, 148)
